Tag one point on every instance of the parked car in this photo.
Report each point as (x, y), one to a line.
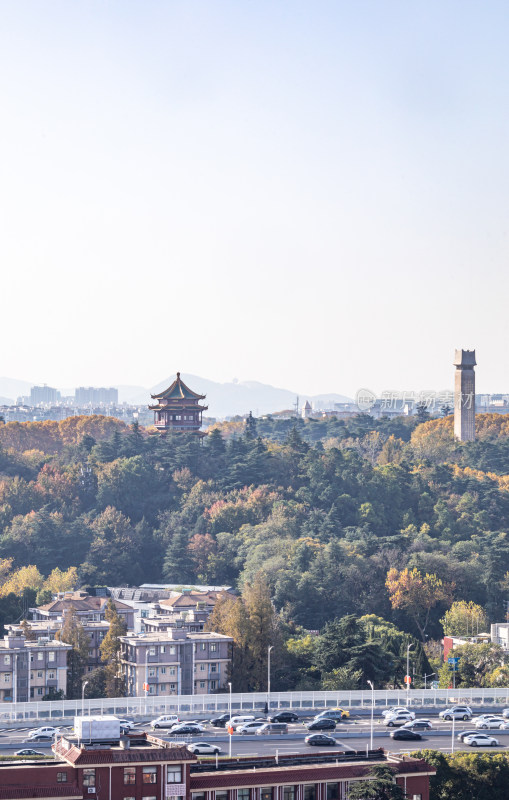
(322, 724)
(334, 713)
(505, 713)
(456, 712)
(164, 721)
(204, 749)
(418, 725)
(319, 739)
(405, 733)
(489, 722)
(220, 722)
(393, 710)
(504, 726)
(250, 727)
(126, 725)
(463, 734)
(29, 752)
(395, 720)
(283, 716)
(271, 728)
(481, 740)
(186, 727)
(237, 725)
(241, 719)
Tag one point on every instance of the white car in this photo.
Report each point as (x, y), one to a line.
(456, 712)
(481, 740)
(126, 724)
(43, 733)
(204, 748)
(489, 722)
(504, 726)
(249, 727)
(396, 709)
(391, 720)
(165, 721)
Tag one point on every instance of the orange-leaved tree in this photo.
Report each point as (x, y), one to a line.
(417, 594)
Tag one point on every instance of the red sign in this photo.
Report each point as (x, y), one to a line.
(145, 687)
(408, 679)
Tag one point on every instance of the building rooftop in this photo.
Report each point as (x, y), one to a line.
(141, 747)
(173, 635)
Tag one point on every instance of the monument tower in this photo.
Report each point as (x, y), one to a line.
(464, 395)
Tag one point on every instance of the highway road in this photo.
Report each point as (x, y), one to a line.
(352, 734)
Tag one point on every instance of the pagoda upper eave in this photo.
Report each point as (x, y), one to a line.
(178, 407)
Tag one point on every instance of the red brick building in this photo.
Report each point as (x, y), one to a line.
(143, 767)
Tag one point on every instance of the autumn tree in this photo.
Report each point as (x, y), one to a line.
(464, 619)
(73, 633)
(61, 581)
(417, 594)
(111, 651)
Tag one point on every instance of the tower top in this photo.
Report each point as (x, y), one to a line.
(464, 358)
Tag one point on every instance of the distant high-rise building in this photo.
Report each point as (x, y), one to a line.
(90, 395)
(464, 395)
(43, 394)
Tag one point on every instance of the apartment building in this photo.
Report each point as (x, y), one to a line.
(176, 662)
(95, 631)
(88, 608)
(29, 670)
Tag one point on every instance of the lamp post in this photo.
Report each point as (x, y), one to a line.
(426, 678)
(372, 710)
(229, 724)
(83, 698)
(408, 648)
(271, 647)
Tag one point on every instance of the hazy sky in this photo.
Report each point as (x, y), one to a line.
(313, 195)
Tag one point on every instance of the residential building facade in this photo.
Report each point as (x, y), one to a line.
(176, 662)
(30, 670)
(88, 608)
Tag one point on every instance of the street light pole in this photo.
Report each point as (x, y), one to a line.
(271, 647)
(83, 698)
(408, 667)
(426, 678)
(372, 710)
(229, 724)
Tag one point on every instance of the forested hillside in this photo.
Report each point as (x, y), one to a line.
(339, 517)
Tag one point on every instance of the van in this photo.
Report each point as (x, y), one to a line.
(272, 727)
(240, 720)
(164, 721)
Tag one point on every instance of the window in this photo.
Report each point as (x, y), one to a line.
(202, 684)
(213, 685)
(173, 671)
(7, 677)
(223, 795)
(149, 774)
(243, 794)
(417, 797)
(162, 649)
(213, 648)
(173, 649)
(89, 777)
(61, 777)
(51, 676)
(309, 791)
(129, 776)
(151, 672)
(149, 798)
(174, 774)
(51, 655)
(162, 670)
(332, 791)
(288, 792)
(201, 795)
(7, 659)
(265, 793)
(129, 798)
(151, 651)
(39, 690)
(31, 657)
(213, 667)
(172, 687)
(162, 687)
(40, 656)
(203, 646)
(39, 673)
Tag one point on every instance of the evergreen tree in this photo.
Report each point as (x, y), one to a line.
(379, 786)
(250, 431)
(73, 633)
(110, 648)
(178, 563)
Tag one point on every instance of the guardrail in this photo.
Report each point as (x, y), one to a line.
(210, 704)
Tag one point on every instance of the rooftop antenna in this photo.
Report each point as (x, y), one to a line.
(296, 406)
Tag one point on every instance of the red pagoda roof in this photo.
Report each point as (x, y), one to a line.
(178, 391)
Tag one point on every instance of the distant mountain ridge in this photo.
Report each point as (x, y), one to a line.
(223, 399)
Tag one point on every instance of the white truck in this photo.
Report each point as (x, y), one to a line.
(98, 729)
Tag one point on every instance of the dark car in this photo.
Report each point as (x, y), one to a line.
(220, 722)
(405, 733)
(181, 729)
(321, 725)
(29, 752)
(283, 716)
(320, 739)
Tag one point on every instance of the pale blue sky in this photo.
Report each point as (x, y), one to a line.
(313, 195)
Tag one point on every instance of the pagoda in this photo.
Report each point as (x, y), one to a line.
(178, 409)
